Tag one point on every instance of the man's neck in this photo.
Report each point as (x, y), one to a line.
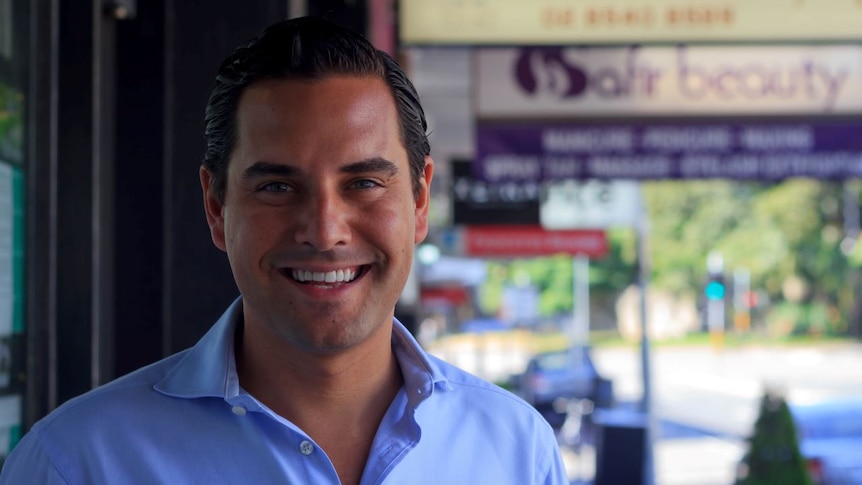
(294, 382)
(338, 399)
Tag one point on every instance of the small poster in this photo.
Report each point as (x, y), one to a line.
(11, 250)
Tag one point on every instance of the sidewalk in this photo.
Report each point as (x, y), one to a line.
(581, 467)
(697, 461)
(685, 461)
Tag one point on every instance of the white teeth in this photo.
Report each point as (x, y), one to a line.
(338, 276)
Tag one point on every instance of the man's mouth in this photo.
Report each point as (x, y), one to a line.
(338, 276)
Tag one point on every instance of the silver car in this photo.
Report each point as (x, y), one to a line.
(552, 379)
(830, 439)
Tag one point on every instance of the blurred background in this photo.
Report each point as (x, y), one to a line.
(645, 214)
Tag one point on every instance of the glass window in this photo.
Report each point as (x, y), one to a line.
(13, 82)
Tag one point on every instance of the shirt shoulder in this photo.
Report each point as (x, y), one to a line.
(123, 391)
(476, 395)
(46, 453)
(112, 404)
(453, 386)
(458, 377)
(471, 420)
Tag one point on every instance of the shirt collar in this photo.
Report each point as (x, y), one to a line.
(422, 376)
(209, 368)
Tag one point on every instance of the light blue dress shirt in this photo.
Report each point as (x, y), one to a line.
(186, 420)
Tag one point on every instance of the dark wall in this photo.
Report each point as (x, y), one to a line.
(200, 34)
(74, 192)
(81, 190)
(139, 174)
(172, 283)
(350, 13)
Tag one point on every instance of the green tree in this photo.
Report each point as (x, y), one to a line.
(551, 276)
(773, 456)
(780, 233)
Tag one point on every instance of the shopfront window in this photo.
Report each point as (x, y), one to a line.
(13, 82)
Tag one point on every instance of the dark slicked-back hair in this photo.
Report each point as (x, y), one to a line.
(307, 48)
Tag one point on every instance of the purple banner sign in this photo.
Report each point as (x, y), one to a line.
(533, 152)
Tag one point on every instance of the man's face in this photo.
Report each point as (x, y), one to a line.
(319, 218)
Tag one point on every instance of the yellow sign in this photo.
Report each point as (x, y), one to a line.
(533, 22)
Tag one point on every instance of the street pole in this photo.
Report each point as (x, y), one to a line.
(643, 279)
(581, 310)
(851, 216)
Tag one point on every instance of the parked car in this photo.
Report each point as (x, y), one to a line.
(552, 379)
(830, 440)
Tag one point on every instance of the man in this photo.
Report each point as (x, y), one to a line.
(316, 184)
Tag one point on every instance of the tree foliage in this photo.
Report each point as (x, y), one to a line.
(11, 124)
(786, 235)
(773, 456)
(552, 276)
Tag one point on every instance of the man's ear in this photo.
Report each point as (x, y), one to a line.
(213, 207)
(423, 201)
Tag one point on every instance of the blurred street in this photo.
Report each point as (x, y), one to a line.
(706, 400)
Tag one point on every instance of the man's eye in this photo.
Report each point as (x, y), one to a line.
(365, 184)
(276, 187)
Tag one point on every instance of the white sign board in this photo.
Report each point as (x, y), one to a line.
(544, 22)
(589, 204)
(681, 80)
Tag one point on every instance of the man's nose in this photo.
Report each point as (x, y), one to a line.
(323, 222)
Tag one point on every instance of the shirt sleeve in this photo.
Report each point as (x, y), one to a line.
(557, 474)
(30, 463)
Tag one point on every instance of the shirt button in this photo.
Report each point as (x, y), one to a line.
(238, 410)
(306, 447)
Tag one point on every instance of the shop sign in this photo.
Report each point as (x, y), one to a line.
(558, 82)
(529, 241)
(536, 152)
(543, 22)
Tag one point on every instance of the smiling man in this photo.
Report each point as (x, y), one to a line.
(316, 185)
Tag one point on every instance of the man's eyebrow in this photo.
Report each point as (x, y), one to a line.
(261, 169)
(371, 165)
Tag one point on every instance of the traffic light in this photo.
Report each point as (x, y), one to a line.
(715, 289)
(716, 298)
